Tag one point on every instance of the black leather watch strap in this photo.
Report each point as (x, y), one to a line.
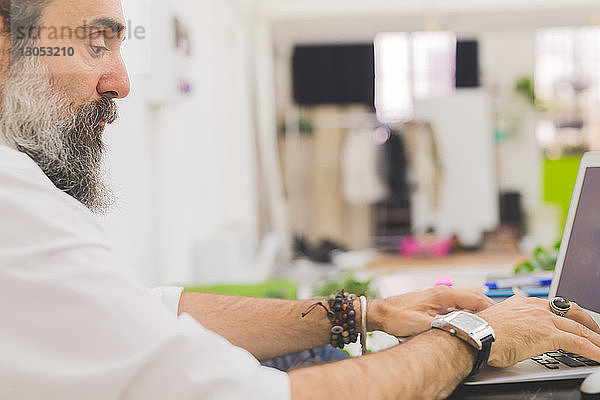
(483, 355)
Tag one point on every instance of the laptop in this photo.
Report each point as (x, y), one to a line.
(577, 278)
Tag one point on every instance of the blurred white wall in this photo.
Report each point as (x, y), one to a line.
(419, 10)
(131, 165)
(507, 56)
(186, 170)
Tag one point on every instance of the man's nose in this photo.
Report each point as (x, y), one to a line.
(115, 82)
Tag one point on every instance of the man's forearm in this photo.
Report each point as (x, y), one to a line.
(265, 327)
(429, 366)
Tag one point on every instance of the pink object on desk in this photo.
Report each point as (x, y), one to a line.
(444, 280)
(412, 246)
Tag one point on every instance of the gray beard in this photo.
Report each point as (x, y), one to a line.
(64, 140)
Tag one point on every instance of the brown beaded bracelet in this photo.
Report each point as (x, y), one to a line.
(342, 316)
(343, 321)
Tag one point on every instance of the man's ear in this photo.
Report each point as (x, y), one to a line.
(5, 50)
(5, 56)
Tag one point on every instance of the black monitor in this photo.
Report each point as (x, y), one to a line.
(336, 74)
(467, 64)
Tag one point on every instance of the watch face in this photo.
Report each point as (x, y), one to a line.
(466, 322)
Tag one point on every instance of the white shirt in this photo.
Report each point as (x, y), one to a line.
(74, 326)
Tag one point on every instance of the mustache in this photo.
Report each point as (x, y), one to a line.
(82, 131)
(104, 109)
(85, 128)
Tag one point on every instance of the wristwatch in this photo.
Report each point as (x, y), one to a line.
(471, 329)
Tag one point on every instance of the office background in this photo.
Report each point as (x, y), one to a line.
(213, 174)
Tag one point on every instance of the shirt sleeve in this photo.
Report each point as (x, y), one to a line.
(169, 297)
(74, 326)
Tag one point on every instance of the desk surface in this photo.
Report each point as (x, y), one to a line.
(469, 259)
(395, 275)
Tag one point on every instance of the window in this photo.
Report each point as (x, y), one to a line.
(567, 86)
(412, 66)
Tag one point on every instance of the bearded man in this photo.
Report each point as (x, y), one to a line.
(48, 112)
(72, 326)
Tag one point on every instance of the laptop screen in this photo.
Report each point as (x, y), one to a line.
(580, 277)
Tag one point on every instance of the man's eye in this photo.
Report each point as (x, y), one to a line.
(98, 44)
(99, 50)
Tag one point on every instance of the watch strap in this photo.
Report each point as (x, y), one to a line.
(483, 355)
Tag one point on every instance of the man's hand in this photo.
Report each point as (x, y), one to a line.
(410, 314)
(525, 327)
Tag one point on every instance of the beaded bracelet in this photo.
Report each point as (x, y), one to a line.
(342, 316)
(343, 321)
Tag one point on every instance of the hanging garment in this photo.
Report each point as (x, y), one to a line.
(425, 172)
(394, 165)
(362, 184)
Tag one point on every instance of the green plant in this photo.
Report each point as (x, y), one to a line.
(304, 127)
(350, 285)
(526, 87)
(542, 260)
(274, 289)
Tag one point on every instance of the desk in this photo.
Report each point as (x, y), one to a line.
(467, 259)
(551, 390)
(396, 275)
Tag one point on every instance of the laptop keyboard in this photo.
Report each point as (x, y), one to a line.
(554, 359)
